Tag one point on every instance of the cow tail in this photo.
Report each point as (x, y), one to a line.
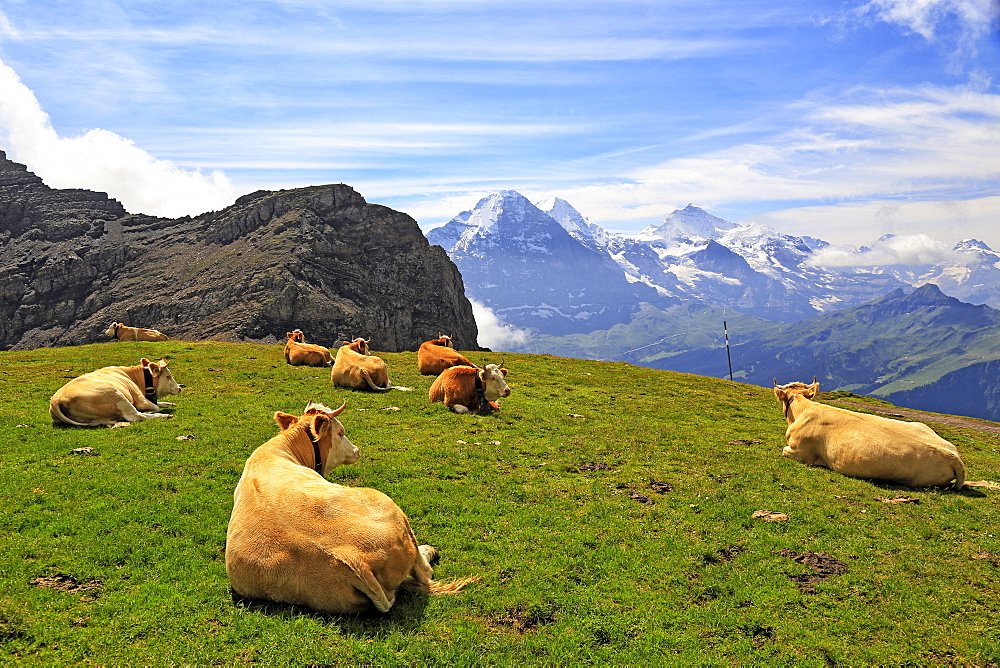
(438, 587)
(367, 583)
(56, 411)
(372, 385)
(959, 474)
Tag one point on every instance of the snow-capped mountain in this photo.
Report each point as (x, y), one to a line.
(531, 272)
(542, 265)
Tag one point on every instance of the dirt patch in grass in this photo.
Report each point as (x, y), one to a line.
(67, 583)
(723, 555)
(660, 487)
(822, 564)
(589, 467)
(524, 621)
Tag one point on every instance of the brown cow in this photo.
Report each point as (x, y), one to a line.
(467, 389)
(863, 445)
(438, 354)
(125, 333)
(114, 394)
(297, 538)
(300, 353)
(356, 369)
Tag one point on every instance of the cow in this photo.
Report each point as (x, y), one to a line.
(123, 332)
(114, 394)
(300, 353)
(438, 354)
(295, 537)
(466, 389)
(356, 369)
(865, 446)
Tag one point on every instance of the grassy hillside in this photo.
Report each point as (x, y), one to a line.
(609, 510)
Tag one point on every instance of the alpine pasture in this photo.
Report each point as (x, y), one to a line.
(615, 515)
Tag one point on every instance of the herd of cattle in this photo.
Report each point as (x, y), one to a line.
(295, 537)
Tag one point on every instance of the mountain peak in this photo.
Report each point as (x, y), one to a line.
(691, 222)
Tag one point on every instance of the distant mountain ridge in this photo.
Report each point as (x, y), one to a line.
(532, 272)
(882, 330)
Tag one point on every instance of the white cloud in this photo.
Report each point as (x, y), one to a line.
(909, 249)
(101, 160)
(493, 332)
(855, 222)
(925, 17)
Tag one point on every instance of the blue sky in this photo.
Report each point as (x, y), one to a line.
(840, 120)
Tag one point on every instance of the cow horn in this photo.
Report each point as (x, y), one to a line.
(776, 382)
(340, 410)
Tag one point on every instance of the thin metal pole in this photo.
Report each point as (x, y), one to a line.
(728, 356)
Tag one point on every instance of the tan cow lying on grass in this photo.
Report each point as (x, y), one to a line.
(125, 333)
(438, 354)
(296, 538)
(300, 353)
(114, 394)
(356, 369)
(466, 389)
(865, 446)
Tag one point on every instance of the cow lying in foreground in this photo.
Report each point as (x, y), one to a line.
(300, 353)
(114, 394)
(466, 389)
(296, 538)
(356, 369)
(125, 333)
(865, 446)
(436, 355)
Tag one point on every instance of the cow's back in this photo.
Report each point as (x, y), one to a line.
(453, 382)
(875, 447)
(350, 369)
(433, 359)
(296, 538)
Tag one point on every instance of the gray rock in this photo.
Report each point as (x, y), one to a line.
(320, 259)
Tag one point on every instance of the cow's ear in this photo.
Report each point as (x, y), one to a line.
(284, 420)
(320, 425)
(812, 391)
(503, 371)
(780, 393)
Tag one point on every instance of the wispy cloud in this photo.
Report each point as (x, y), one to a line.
(101, 160)
(927, 142)
(957, 26)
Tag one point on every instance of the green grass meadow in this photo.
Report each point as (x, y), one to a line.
(608, 510)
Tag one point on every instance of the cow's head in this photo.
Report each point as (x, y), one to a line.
(326, 431)
(785, 393)
(297, 336)
(358, 345)
(163, 380)
(494, 382)
(113, 329)
(444, 340)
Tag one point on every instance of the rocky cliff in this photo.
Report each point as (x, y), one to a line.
(321, 259)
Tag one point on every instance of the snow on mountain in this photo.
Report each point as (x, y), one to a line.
(528, 269)
(687, 223)
(543, 266)
(591, 235)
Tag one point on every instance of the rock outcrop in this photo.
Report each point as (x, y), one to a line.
(320, 259)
